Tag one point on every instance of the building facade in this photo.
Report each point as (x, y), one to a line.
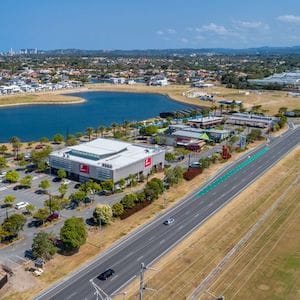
(104, 159)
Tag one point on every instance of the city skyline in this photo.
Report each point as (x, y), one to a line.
(148, 25)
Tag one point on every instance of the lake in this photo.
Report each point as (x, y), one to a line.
(101, 108)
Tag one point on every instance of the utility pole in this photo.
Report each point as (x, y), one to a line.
(142, 284)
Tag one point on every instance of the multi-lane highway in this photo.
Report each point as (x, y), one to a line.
(153, 240)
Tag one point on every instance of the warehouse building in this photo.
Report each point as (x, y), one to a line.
(103, 159)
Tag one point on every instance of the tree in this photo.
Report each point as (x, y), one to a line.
(73, 233)
(12, 176)
(9, 201)
(170, 157)
(39, 157)
(114, 126)
(153, 189)
(117, 209)
(101, 130)
(44, 185)
(204, 162)
(129, 200)
(26, 181)
(44, 140)
(107, 185)
(89, 131)
(61, 173)
(71, 140)
(58, 138)
(63, 188)
(148, 130)
(30, 208)
(132, 180)
(174, 175)
(13, 224)
(41, 214)
(3, 149)
(42, 246)
(16, 145)
(3, 162)
(78, 196)
(102, 214)
(122, 182)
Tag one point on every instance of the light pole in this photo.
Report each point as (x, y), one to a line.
(142, 284)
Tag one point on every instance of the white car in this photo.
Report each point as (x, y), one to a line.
(21, 205)
(38, 272)
(169, 221)
(66, 181)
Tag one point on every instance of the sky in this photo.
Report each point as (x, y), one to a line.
(148, 24)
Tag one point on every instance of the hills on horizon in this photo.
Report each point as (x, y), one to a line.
(180, 52)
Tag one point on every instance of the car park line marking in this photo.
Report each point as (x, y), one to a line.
(195, 216)
(162, 241)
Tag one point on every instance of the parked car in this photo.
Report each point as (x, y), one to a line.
(66, 181)
(52, 217)
(35, 223)
(169, 221)
(21, 187)
(29, 254)
(105, 275)
(56, 179)
(77, 186)
(40, 146)
(21, 205)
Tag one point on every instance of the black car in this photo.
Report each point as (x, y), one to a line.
(77, 186)
(35, 223)
(56, 179)
(29, 254)
(21, 187)
(105, 275)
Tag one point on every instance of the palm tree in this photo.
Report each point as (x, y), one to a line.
(114, 126)
(16, 145)
(101, 130)
(89, 131)
(125, 126)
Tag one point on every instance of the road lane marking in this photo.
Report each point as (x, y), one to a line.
(114, 277)
(162, 241)
(195, 216)
(140, 258)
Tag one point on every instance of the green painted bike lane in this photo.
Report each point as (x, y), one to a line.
(233, 171)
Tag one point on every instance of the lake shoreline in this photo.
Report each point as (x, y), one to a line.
(63, 97)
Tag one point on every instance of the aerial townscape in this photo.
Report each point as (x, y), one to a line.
(149, 150)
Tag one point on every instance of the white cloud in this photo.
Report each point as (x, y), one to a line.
(184, 40)
(289, 19)
(252, 25)
(212, 27)
(171, 31)
(199, 37)
(159, 32)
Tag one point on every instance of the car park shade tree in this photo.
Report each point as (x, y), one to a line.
(44, 185)
(42, 246)
(13, 225)
(26, 181)
(41, 214)
(61, 174)
(102, 214)
(3, 162)
(73, 233)
(12, 176)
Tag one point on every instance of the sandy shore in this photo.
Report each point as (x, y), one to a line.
(174, 92)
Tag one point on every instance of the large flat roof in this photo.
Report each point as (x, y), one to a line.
(112, 153)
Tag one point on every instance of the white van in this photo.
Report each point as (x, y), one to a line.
(21, 205)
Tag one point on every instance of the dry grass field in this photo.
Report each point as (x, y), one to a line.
(267, 266)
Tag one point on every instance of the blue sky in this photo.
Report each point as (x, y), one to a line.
(148, 24)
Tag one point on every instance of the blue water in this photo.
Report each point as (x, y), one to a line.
(101, 108)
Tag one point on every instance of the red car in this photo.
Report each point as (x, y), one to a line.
(52, 217)
(39, 146)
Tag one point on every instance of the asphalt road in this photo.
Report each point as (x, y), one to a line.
(153, 240)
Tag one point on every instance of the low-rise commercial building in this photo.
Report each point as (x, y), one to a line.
(103, 159)
(205, 122)
(252, 120)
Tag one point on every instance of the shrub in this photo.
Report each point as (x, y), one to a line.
(117, 209)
